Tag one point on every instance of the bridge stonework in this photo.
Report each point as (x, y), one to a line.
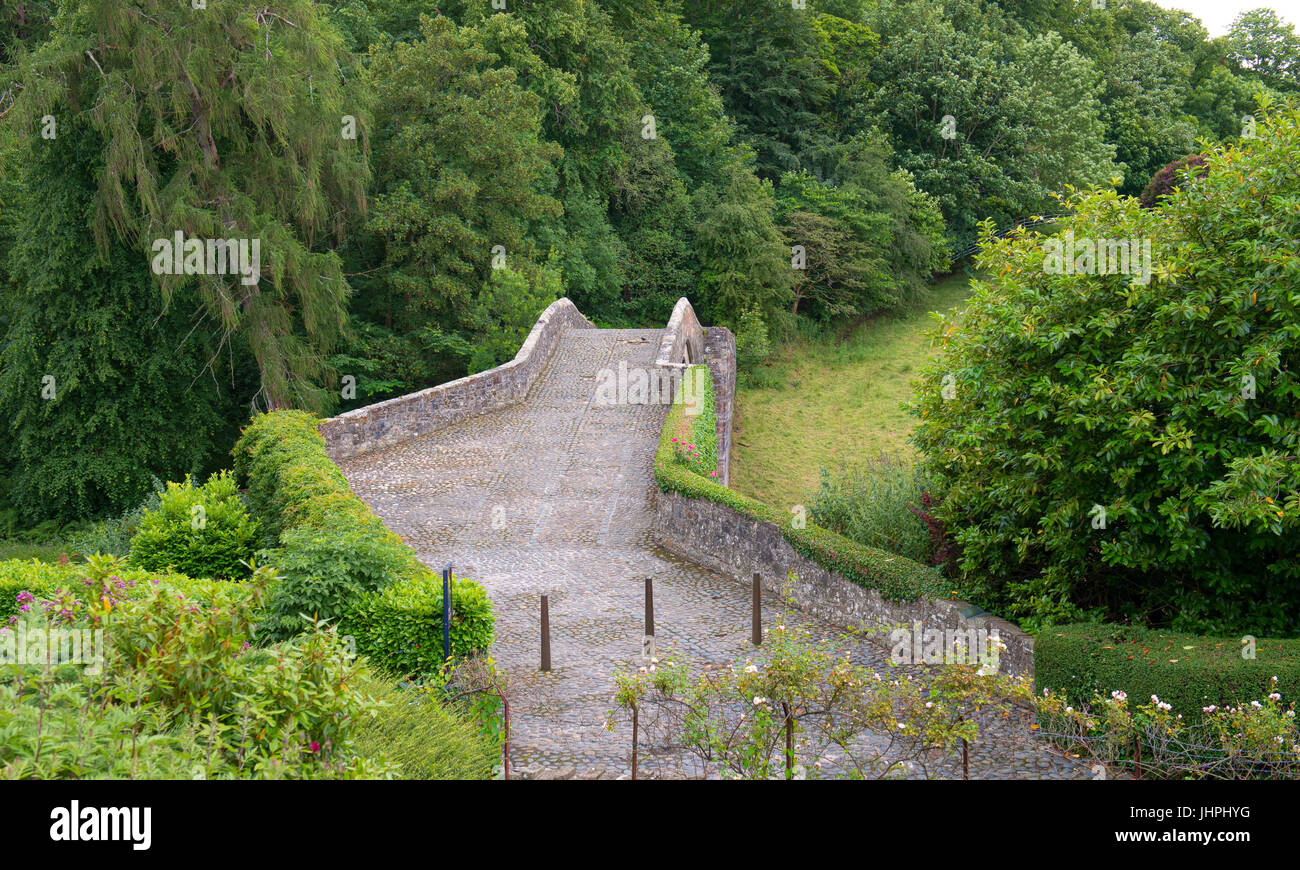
(521, 480)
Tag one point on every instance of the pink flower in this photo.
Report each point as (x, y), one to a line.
(315, 747)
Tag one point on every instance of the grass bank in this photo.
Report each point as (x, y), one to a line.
(835, 398)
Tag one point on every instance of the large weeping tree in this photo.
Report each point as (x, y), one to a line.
(234, 121)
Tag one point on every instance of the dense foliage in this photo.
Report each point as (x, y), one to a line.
(202, 531)
(1127, 442)
(175, 690)
(423, 178)
(340, 563)
(1190, 672)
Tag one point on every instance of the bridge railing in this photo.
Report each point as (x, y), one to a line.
(415, 414)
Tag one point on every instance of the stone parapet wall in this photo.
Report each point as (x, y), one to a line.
(683, 339)
(409, 416)
(722, 539)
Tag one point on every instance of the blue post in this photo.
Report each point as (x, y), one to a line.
(446, 614)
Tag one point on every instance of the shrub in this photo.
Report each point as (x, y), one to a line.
(325, 571)
(339, 561)
(400, 627)
(291, 481)
(181, 692)
(1190, 672)
(1129, 446)
(32, 576)
(199, 531)
(415, 730)
(876, 504)
(99, 576)
(752, 343)
(1173, 174)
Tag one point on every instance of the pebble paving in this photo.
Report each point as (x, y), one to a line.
(553, 496)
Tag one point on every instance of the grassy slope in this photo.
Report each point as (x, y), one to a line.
(839, 402)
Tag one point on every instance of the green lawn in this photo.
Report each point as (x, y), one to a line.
(838, 402)
(18, 549)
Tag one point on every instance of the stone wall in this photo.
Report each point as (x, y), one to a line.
(683, 339)
(428, 410)
(720, 352)
(722, 539)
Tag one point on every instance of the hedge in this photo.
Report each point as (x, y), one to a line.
(895, 577)
(291, 480)
(1188, 671)
(400, 627)
(395, 604)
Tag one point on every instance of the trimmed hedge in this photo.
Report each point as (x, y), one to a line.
(336, 554)
(400, 626)
(1188, 671)
(895, 577)
(291, 481)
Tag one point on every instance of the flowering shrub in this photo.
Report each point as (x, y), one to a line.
(799, 708)
(1259, 739)
(1176, 173)
(181, 691)
(694, 436)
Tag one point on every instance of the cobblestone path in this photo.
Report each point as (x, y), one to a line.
(553, 496)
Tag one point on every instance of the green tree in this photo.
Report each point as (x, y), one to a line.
(972, 106)
(1126, 442)
(871, 239)
(224, 122)
(461, 181)
(100, 387)
(764, 60)
(1267, 48)
(744, 262)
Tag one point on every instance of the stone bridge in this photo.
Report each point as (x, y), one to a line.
(522, 482)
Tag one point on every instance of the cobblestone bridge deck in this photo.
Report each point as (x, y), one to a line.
(553, 496)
